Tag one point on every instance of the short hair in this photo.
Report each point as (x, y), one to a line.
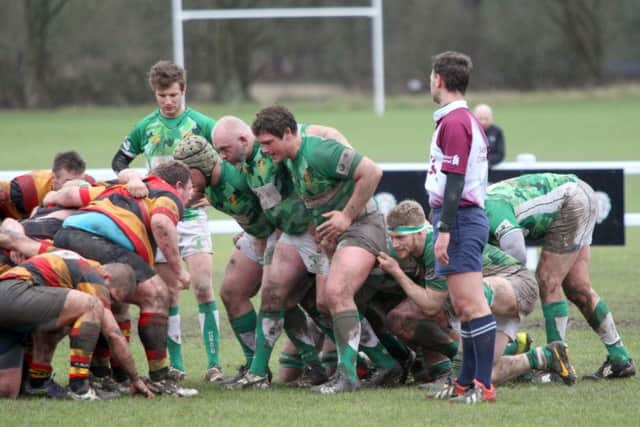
(408, 213)
(165, 73)
(274, 120)
(70, 161)
(454, 68)
(121, 276)
(172, 172)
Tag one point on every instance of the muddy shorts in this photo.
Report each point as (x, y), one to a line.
(24, 307)
(194, 237)
(246, 244)
(313, 258)
(573, 227)
(368, 231)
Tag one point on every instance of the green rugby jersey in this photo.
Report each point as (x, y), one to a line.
(528, 202)
(322, 174)
(272, 183)
(233, 196)
(156, 137)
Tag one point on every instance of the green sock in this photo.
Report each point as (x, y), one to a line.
(397, 348)
(439, 368)
(244, 328)
(297, 325)
(329, 359)
(174, 339)
(322, 321)
(209, 321)
(539, 357)
(432, 337)
(556, 315)
(510, 349)
(346, 329)
(602, 322)
(268, 330)
(373, 348)
(291, 361)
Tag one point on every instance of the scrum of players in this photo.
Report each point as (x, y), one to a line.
(355, 290)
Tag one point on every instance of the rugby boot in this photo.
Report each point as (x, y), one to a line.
(611, 370)
(249, 380)
(176, 374)
(444, 389)
(49, 388)
(339, 383)
(475, 394)
(214, 375)
(386, 377)
(242, 370)
(560, 363)
(169, 387)
(89, 393)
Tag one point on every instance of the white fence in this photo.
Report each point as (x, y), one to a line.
(221, 226)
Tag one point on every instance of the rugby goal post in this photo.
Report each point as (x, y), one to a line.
(373, 12)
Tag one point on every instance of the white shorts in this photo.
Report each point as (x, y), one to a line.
(194, 237)
(313, 258)
(246, 245)
(508, 325)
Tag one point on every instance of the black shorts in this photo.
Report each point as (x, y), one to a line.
(41, 228)
(25, 307)
(102, 250)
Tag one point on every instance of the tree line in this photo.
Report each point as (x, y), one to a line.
(61, 52)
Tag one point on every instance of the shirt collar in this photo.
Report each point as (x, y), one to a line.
(441, 112)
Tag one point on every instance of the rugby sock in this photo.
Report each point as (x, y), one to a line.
(299, 328)
(346, 329)
(539, 357)
(209, 321)
(244, 328)
(322, 321)
(468, 368)
(293, 361)
(373, 348)
(431, 336)
(601, 321)
(100, 360)
(396, 348)
(152, 328)
(119, 374)
(439, 369)
(556, 315)
(483, 334)
(268, 330)
(174, 339)
(39, 373)
(82, 341)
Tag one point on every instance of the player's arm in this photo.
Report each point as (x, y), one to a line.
(120, 350)
(366, 176)
(166, 237)
(120, 161)
(134, 181)
(514, 244)
(429, 300)
(327, 132)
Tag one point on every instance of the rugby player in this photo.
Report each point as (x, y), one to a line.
(337, 185)
(156, 137)
(88, 288)
(509, 287)
(116, 227)
(559, 211)
(23, 193)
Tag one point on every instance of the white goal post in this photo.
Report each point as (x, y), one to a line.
(373, 12)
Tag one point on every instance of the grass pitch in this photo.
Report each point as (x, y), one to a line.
(559, 126)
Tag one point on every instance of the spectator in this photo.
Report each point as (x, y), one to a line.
(494, 134)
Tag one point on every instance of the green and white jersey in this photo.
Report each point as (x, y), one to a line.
(496, 262)
(528, 202)
(233, 196)
(272, 183)
(322, 174)
(156, 137)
